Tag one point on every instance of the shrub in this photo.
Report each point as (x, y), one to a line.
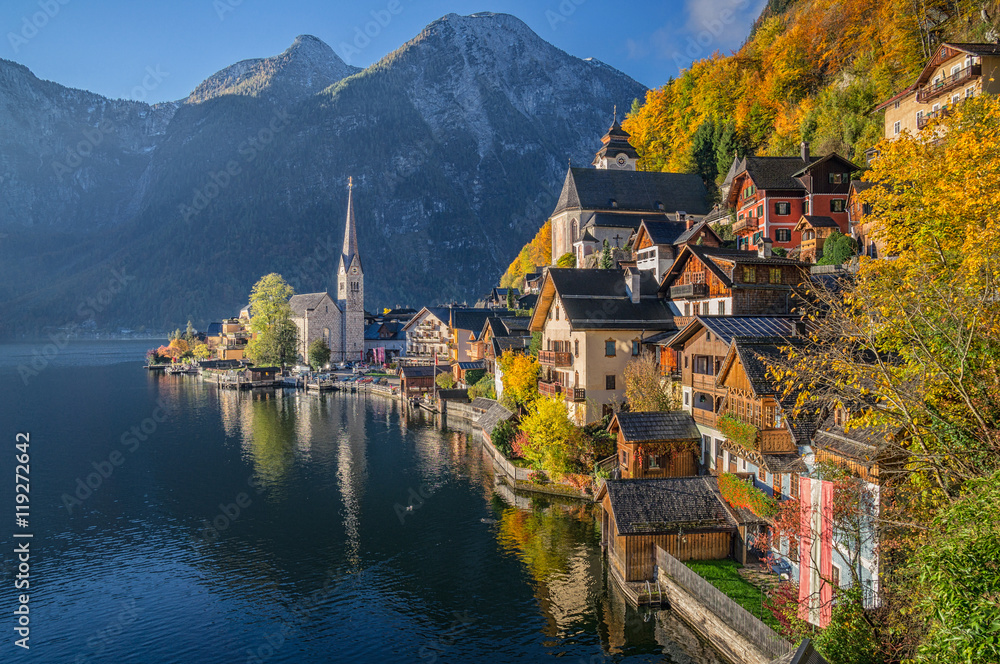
(739, 493)
(742, 433)
(537, 477)
(445, 381)
(503, 437)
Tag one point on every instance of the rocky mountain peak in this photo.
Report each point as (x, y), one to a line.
(304, 68)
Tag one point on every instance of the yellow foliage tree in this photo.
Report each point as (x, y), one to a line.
(553, 440)
(520, 378)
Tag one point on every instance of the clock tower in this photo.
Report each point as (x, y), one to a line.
(616, 152)
(351, 287)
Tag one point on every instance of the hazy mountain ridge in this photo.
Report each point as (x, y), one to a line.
(449, 139)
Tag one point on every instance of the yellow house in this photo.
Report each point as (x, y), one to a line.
(593, 323)
(954, 73)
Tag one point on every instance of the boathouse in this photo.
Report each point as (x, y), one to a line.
(656, 444)
(685, 516)
(417, 380)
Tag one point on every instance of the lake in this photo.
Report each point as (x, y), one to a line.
(174, 522)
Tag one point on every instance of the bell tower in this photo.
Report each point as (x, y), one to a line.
(351, 286)
(616, 152)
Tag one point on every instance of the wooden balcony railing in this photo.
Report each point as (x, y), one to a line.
(949, 82)
(576, 394)
(689, 290)
(706, 417)
(703, 382)
(549, 389)
(775, 441)
(925, 119)
(551, 358)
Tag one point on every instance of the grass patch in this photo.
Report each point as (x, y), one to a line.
(724, 575)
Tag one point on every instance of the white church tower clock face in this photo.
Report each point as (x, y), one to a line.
(621, 161)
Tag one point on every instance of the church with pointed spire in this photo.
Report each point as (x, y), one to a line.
(341, 321)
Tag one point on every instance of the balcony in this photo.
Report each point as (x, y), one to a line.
(576, 394)
(688, 291)
(949, 83)
(704, 383)
(775, 441)
(748, 223)
(706, 417)
(550, 389)
(926, 118)
(552, 358)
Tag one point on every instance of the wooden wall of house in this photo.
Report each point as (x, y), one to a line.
(640, 550)
(695, 272)
(763, 301)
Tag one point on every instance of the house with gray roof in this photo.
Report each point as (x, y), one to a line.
(686, 516)
(656, 444)
(609, 201)
(592, 324)
(770, 194)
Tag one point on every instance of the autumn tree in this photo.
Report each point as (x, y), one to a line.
(554, 441)
(567, 260)
(201, 352)
(519, 379)
(911, 347)
(645, 389)
(275, 335)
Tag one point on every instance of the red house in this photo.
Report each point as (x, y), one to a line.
(770, 195)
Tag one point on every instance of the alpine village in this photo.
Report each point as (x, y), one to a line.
(771, 365)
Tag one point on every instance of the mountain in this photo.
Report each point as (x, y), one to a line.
(457, 142)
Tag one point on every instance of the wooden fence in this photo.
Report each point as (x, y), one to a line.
(732, 614)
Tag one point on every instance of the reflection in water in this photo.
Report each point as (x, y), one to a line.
(352, 471)
(528, 572)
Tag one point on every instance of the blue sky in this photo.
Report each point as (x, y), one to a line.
(158, 51)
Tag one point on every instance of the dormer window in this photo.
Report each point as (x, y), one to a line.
(614, 203)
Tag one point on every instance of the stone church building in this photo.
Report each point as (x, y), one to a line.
(340, 321)
(610, 200)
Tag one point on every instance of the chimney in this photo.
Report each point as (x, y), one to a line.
(764, 248)
(632, 276)
(804, 147)
(690, 221)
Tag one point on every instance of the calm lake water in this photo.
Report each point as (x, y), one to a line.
(273, 527)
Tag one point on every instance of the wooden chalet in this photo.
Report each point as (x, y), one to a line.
(770, 194)
(728, 282)
(656, 444)
(694, 356)
(760, 438)
(814, 230)
(417, 380)
(657, 242)
(685, 516)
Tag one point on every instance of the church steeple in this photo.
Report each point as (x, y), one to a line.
(350, 251)
(351, 286)
(616, 152)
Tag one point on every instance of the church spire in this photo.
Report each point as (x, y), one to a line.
(350, 230)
